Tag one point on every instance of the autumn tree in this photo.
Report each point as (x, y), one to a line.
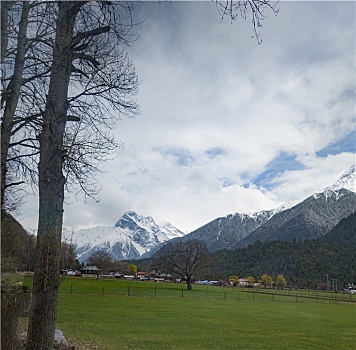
(281, 281)
(251, 280)
(133, 268)
(186, 259)
(234, 280)
(266, 280)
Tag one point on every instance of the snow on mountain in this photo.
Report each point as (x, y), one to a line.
(131, 237)
(135, 236)
(347, 180)
(314, 215)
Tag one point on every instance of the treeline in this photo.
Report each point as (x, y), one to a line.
(309, 263)
(301, 263)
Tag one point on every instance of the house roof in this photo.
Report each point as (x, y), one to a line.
(91, 268)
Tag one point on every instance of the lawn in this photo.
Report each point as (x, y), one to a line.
(115, 314)
(126, 315)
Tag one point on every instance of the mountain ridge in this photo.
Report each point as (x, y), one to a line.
(307, 218)
(136, 237)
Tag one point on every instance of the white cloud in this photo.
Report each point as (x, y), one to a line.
(207, 85)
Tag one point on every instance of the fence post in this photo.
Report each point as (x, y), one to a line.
(102, 291)
(128, 291)
(182, 293)
(155, 291)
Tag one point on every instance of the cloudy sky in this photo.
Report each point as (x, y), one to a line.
(228, 125)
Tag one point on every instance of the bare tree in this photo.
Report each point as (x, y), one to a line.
(88, 37)
(184, 258)
(14, 86)
(101, 259)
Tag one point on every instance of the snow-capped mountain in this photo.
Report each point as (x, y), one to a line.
(347, 181)
(310, 218)
(131, 237)
(135, 236)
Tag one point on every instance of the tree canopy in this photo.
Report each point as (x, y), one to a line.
(186, 259)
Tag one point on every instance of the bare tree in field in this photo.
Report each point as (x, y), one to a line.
(101, 259)
(186, 259)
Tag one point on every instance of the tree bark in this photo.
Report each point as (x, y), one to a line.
(5, 7)
(51, 188)
(13, 95)
(14, 300)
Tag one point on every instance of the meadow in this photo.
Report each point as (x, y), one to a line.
(112, 314)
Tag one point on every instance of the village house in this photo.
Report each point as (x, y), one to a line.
(89, 270)
(244, 282)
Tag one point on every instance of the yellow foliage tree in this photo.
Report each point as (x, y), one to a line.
(281, 281)
(234, 280)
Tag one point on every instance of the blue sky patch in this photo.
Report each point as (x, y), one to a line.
(227, 182)
(283, 162)
(215, 152)
(182, 156)
(346, 144)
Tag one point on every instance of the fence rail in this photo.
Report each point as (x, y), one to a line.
(210, 292)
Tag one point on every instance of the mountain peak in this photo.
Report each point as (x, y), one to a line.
(347, 180)
(131, 218)
(131, 237)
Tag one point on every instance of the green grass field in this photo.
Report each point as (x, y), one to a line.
(156, 316)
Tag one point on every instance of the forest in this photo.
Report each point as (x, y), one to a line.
(304, 263)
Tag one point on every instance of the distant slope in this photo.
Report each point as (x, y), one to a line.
(312, 218)
(17, 245)
(301, 262)
(305, 219)
(224, 232)
(343, 232)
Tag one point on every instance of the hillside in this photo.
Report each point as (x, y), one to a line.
(344, 232)
(17, 246)
(312, 218)
(302, 263)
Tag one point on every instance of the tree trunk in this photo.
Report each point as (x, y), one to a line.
(14, 88)
(189, 284)
(14, 300)
(51, 188)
